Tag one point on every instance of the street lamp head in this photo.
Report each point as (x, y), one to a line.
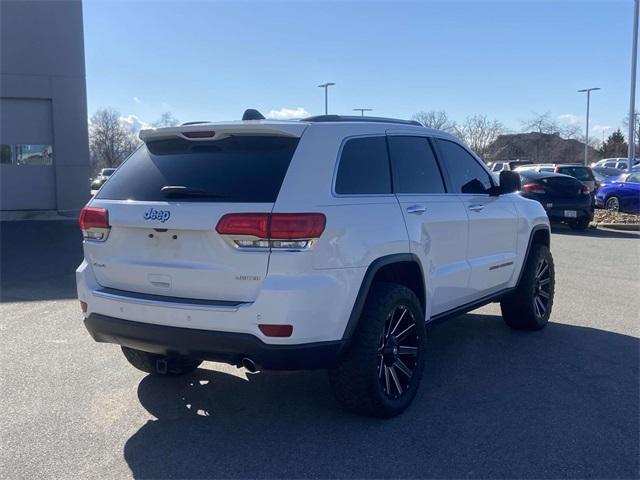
(588, 89)
(325, 85)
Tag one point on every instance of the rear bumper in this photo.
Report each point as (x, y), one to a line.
(557, 206)
(316, 304)
(559, 214)
(599, 200)
(225, 347)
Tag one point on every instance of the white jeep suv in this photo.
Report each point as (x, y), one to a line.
(323, 243)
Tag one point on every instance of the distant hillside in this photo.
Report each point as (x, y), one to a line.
(539, 148)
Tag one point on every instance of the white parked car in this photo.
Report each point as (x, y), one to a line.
(621, 163)
(501, 165)
(323, 243)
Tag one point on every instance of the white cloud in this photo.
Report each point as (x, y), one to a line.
(287, 113)
(569, 118)
(134, 124)
(601, 129)
(137, 100)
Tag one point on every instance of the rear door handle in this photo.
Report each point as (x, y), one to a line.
(476, 208)
(416, 209)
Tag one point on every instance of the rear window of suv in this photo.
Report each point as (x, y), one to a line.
(234, 169)
(581, 173)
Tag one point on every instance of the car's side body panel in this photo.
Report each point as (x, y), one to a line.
(627, 192)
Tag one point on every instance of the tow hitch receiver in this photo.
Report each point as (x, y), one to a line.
(162, 366)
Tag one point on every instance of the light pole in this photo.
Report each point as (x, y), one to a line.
(632, 96)
(362, 110)
(326, 95)
(586, 134)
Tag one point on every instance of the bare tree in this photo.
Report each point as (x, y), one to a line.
(545, 123)
(166, 120)
(541, 123)
(571, 131)
(435, 119)
(479, 132)
(110, 141)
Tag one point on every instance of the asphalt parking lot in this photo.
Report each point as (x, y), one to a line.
(494, 403)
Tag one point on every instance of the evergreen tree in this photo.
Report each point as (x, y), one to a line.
(615, 145)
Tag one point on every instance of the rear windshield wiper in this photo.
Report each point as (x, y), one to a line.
(182, 191)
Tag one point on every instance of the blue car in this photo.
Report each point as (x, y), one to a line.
(621, 194)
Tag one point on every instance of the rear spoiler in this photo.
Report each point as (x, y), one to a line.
(217, 131)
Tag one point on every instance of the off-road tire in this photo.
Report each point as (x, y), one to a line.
(160, 364)
(519, 309)
(357, 381)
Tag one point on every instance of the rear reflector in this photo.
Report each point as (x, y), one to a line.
(276, 330)
(91, 217)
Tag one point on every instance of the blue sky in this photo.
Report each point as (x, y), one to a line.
(210, 60)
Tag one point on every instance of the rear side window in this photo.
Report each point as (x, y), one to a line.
(234, 169)
(581, 173)
(415, 169)
(465, 173)
(364, 167)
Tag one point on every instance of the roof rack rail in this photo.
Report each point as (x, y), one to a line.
(354, 118)
(199, 122)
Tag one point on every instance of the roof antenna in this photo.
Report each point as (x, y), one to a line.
(252, 114)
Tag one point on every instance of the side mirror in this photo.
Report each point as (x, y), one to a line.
(509, 182)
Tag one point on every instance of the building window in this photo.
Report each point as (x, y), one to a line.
(26, 154)
(6, 153)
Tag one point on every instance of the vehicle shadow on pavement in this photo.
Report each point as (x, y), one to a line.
(494, 403)
(39, 259)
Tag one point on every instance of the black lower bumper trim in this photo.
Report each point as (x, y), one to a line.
(557, 215)
(225, 347)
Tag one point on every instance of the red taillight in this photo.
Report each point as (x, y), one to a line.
(556, 170)
(254, 224)
(91, 217)
(584, 189)
(276, 330)
(289, 226)
(94, 223)
(275, 230)
(533, 188)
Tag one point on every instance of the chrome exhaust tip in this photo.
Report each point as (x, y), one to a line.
(249, 365)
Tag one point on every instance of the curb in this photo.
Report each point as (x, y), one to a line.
(629, 227)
